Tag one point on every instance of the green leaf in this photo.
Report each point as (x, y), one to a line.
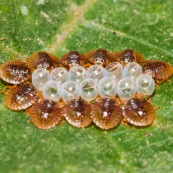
(59, 26)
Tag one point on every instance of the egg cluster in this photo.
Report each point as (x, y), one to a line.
(88, 84)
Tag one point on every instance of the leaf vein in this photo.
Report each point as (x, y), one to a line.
(89, 24)
(68, 27)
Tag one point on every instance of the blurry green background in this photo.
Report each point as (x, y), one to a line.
(27, 26)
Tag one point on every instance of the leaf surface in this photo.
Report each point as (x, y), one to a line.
(59, 26)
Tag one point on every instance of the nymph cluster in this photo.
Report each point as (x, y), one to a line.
(99, 87)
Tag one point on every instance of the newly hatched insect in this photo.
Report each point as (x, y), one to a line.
(42, 59)
(106, 113)
(21, 96)
(99, 56)
(73, 58)
(77, 113)
(45, 114)
(127, 55)
(139, 112)
(15, 72)
(159, 70)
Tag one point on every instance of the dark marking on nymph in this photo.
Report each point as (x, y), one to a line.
(127, 56)
(100, 56)
(79, 106)
(73, 58)
(154, 68)
(23, 91)
(46, 108)
(108, 106)
(137, 106)
(19, 71)
(44, 61)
